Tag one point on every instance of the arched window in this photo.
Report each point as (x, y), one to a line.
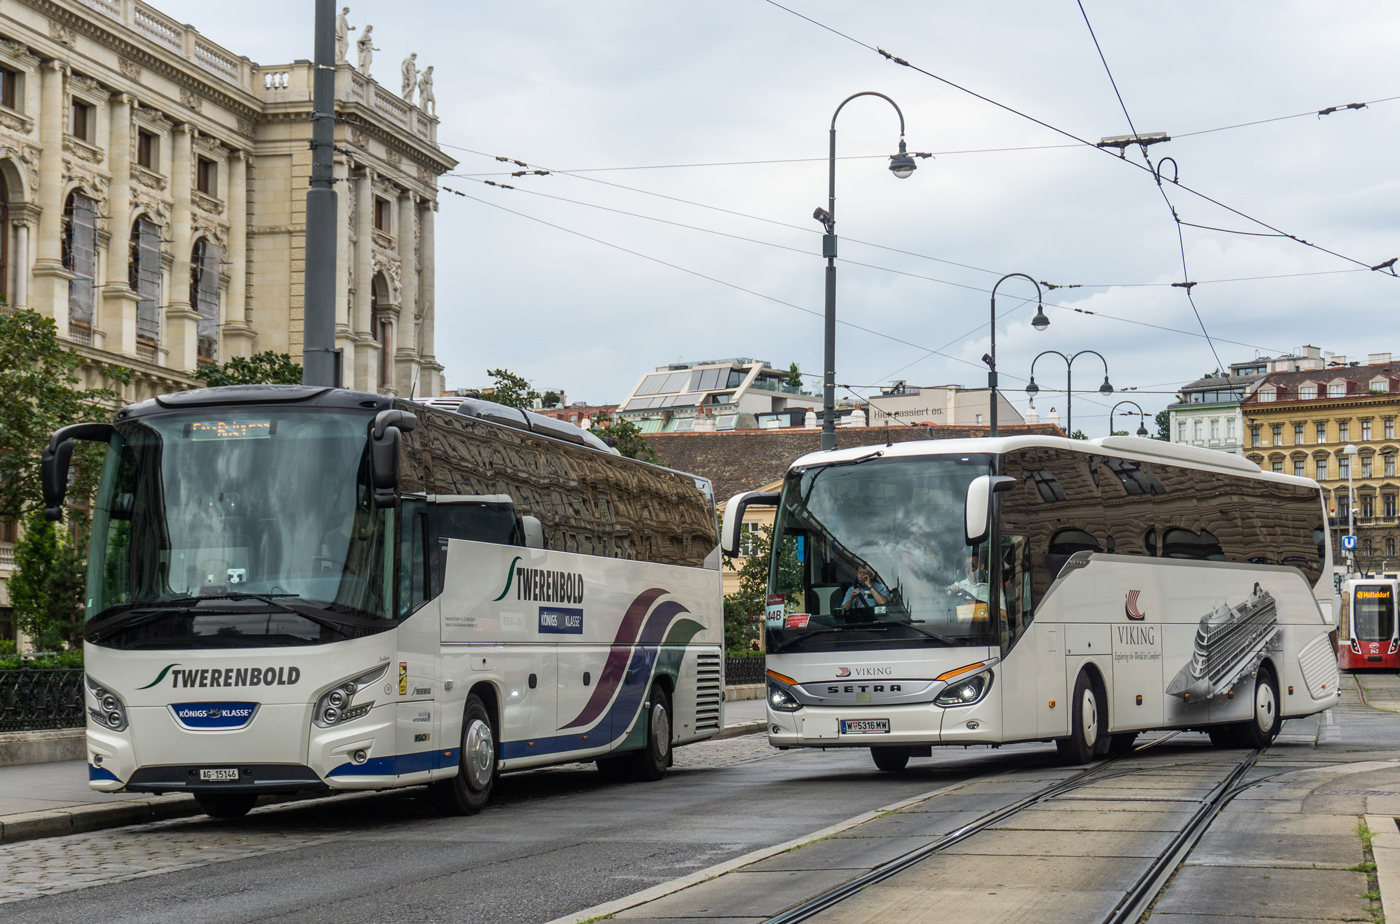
(143, 275)
(80, 259)
(382, 328)
(204, 295)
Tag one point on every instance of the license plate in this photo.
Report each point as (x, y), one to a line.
(865, 726)
(218, 774)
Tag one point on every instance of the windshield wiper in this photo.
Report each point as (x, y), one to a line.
(830, 465)
(793, 641)
(185, 605)
(272, 600)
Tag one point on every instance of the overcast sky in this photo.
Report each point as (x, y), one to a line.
(631, 84)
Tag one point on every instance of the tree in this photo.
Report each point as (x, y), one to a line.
(744, 609)
(39, 381)
(267, 368)
(624, 436)
(1078, 435)
(794, 376)
(1164, 426)
(35, 553)
(512, 390)
(550, 399)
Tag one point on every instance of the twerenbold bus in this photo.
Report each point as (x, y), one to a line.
(296, 588)
(1037, 588)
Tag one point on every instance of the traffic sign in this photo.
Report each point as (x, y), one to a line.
(1349, 543)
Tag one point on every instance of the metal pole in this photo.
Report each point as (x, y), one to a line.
(829, 330)
(319, 356)
(992, 369)
(1069, 399)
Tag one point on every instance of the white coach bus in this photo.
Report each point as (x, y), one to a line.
(1038, 588)
(296, 588)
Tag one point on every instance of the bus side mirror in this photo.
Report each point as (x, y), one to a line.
(56, 457)
(734, 516)
(977, 514)
(533, 530)
(384, 440)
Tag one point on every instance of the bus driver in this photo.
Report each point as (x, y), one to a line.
(867, 593)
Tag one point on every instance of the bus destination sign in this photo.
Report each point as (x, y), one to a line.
(230, 429)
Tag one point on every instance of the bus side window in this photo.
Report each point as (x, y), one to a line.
(413, 556)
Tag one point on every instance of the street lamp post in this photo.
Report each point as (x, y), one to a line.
(1039, 322)
(901, 165)
(1350, 452)
(1142, 427)
(1105, 389)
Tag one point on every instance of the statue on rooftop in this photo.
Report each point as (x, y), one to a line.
(342, 34)
(367, 50)
(427, 101)
(410, 77)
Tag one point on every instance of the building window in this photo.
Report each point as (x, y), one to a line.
(1278, 434)
(1366, 430)
(204, 295)
(147, 149)
(1322, 433)
(1390, 429)
(1337, 390)
(1344, 466)
(1307, 392)
(9, 88)
(80, 258)
(9, 531)
(1298, 467)
(1380, 384)
(1215, 428)
(381, 214)
(1343, 431)
(1365, 466)
(1267, 394)
(1254, 436)
(1388, 504)
(1390, 546)
(1230, 429)
(1390, 466)
(1278, 466)
(1197, 429)
(749, 536)
(1368, 506)
(207, 177)
(1321, 474)
(82, 122)
(143, 275)
(1366, 547)
(1181, 431)
(1298, 434)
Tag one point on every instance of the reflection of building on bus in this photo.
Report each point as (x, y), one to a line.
(1103, 556)
(359, 592)
(1368, 633)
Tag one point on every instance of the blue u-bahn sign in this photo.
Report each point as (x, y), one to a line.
(1349, 543)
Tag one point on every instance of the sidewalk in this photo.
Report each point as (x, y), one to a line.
(46, 800)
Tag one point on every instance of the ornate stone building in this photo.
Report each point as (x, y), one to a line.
(153, 198)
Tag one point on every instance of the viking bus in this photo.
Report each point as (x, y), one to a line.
(1028, 588)
(294, 588)
(1368, 633)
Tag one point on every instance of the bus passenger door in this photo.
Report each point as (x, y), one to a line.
(1018, 681)
(414, 676)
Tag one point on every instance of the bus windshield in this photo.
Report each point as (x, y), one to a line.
(251, 523)
(871, 554)
(1374, 613)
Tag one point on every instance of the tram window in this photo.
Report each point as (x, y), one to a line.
(1183, 543)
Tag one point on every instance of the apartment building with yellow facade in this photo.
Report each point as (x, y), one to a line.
(1302, 423)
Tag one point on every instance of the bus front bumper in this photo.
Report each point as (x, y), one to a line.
(910, 725)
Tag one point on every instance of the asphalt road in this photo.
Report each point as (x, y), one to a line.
(554, 841)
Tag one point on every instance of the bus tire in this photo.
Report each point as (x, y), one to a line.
(890, 759)
(1261, 730)
(468, 792)
(649, 764)
(1121, 745)
(226, 804)
(1085, 723)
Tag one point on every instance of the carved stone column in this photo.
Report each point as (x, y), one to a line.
(21, 261)
(406, 335)
(50, 294)
(181, 320)
(118, 315)
(366, 359)
(427, 294)
(238, 335)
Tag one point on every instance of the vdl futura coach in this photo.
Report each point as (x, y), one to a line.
(1038, 588)
(297, 588)
(1368, 633)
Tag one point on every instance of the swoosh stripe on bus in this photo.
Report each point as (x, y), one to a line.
(159, 677)
(510, 576)
(614, 667)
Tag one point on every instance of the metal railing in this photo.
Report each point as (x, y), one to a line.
(32, 699)
(744, 669)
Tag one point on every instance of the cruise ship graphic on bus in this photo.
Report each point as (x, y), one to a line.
(1229, 642)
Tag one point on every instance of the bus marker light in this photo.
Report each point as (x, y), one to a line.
(1052, 704)
(947, 675)
(1139, 699)
(785, 679)
(1230, 694)
(1290, 691)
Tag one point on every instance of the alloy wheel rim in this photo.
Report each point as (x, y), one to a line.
(479, 754)
(660, 729)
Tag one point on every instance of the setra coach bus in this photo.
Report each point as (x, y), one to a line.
(1368, 633)
(295, 588)
(1028, 588)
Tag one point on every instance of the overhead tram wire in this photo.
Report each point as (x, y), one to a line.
(1068, 134)
(1156, 174)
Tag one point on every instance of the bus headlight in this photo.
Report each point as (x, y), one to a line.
(781, 699)
(965, 692)
(110, 711)
(334, 708)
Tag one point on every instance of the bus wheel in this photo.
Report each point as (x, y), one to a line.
(1085, 728)
(468, 792)
(650, 763)
(226, 804)
(890, 760)
(1261, 731)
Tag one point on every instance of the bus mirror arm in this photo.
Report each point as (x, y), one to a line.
(55, 460)
(386, 436)
(734, 517)
(977, 514)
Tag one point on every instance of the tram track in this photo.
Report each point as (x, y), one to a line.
(1135, 901)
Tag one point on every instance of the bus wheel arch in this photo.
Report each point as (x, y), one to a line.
(1265, 706)
(468, 791)
(1088, 732)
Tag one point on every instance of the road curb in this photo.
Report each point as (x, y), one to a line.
(75, 819)
(609, 909)
(740, 728)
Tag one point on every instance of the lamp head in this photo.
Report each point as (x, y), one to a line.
(1142, 429)
(987, 358)
(1040, 321)
(1032, 389)
(823, 216)
(1105, 388)
(901, 164)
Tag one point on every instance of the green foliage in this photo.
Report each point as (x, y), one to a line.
(1164, 426)
(267, 368)
(743, 609)
(40, 385)
(550, 399)
(63, 659)
(46, 589)
(512, 390)
(794, 376)
(1078, 435)
(624, 436)
(62, 624)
